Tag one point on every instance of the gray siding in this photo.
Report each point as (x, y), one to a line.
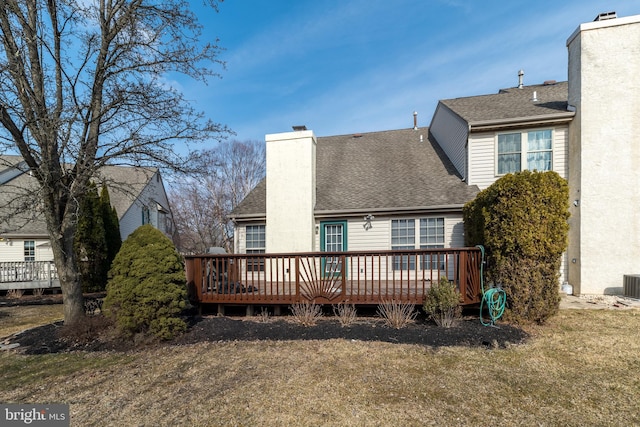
(451, 132)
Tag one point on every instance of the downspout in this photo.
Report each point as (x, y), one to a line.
(468, 157)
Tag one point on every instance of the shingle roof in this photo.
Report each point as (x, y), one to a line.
(377, 171)
(125, 185)
(513, 103)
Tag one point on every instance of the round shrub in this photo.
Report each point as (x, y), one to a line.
(521, 220)
(147, 291)
(442, 303)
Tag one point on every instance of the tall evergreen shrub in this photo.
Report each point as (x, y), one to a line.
(111, 227)
(521, 220)
(89, 243)
(97, 239)
(147, 286)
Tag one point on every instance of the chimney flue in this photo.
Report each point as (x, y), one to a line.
(520, 79)
(415, 120)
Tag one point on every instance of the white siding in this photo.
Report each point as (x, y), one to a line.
(152, 195)
(451, 133)
(378, 237)
(482, 155)
(12, 250)
(482, 159)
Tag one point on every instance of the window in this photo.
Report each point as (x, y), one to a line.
(29, 250)
(535, 152)
(509, 153)
(539, 150)
(403, 236)
(146, 217)
(432, 236)
(255, 241)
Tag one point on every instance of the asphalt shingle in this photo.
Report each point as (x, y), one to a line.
(378, 170)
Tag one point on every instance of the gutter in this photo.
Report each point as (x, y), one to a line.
(483, 125)
(332, 213)
(405, 210)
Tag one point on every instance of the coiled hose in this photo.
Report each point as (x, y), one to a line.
(494, 298)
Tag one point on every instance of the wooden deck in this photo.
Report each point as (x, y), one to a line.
(364, 278)
(28, 275)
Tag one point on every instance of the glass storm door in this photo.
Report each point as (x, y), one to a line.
(333, 239)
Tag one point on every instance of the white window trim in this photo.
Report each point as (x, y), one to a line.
(416, 241)
(524, 147)
(255, 266)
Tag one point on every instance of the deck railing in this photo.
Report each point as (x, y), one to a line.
(332, 277)
(28, 275)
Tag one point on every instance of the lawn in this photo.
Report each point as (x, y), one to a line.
(580, 369)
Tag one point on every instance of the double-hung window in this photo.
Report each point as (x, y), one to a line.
(255, 240)
(518, 151)
(403, 236)
(539, 150)
(432, 236)
(29, 250)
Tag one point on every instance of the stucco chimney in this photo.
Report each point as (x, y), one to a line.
(291, 195)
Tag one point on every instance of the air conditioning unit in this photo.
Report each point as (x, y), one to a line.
(631, 285)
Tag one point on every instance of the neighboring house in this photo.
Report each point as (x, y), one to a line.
(137, 194)
(406, 188)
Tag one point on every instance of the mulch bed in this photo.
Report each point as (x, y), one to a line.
(470, 332)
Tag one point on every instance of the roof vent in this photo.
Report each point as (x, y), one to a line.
(520, 79)
(415, 120)
(549, 82)
(357, 135)
(606, 15)
(299, 128)
(535, 96)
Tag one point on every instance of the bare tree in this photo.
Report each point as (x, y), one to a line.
(201, 205)
(83, 84)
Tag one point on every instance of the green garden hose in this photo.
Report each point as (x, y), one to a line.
(495, 298)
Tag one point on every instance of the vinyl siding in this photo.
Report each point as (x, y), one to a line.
(482, 155)
(153, 194)
(378, 237)
(13, 250)
(451, 133)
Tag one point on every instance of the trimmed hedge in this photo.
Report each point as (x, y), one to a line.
(521, 220)
(147, 289)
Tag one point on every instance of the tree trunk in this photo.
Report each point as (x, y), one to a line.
(65, 261)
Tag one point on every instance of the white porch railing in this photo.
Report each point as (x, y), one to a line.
(28, 275)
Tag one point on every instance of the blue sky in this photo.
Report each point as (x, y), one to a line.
(352, 66)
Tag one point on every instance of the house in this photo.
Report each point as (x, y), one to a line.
(405, 188)
(137, 194)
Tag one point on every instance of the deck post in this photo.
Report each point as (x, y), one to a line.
(462, 281)
(297, 296)
(343, 260)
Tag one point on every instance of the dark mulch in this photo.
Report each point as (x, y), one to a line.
(470, 332)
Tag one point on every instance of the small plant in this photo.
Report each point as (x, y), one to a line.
(38, 292)
(442, 303)
(397, 314)
(15, 293)
(306, 313)
(264, 316)
(346, 313)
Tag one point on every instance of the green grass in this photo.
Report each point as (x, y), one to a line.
(579, 369)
